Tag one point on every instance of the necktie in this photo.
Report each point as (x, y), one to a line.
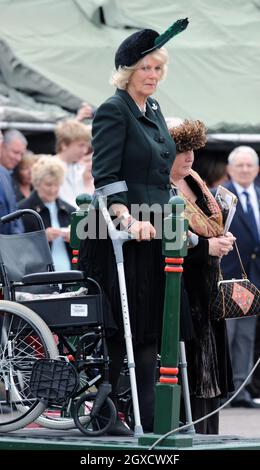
(251, 217)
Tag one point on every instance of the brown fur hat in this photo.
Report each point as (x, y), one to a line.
(189, 135)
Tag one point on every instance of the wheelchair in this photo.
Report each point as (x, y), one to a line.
(53, 353)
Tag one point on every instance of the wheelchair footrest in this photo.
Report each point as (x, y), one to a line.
(53, 380)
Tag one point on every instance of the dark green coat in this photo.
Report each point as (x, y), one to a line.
(138, 149)
(132, 147)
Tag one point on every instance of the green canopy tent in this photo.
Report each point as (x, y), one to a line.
(56, 54)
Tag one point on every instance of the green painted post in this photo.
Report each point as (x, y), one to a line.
(167, 401)
(83, 201)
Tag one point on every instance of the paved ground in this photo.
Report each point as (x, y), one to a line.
(239, 429)
(240, 421)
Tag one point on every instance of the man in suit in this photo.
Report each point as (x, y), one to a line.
(243, 167)
(7, 194)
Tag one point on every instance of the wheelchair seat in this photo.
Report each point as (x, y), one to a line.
(53, 277)
(26, 265)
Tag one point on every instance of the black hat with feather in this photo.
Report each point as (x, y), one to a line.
(141, 43)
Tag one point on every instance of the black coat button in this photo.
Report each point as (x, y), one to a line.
(159, 138)
(165, 154)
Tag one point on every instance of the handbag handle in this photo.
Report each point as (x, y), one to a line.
(244, 275)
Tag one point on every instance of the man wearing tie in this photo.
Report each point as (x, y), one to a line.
(243, 167)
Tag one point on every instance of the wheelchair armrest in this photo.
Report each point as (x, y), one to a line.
(51, 277)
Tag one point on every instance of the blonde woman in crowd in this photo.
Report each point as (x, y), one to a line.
(47, 178)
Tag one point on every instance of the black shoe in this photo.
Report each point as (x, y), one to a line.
(244, 404)
(119, 429)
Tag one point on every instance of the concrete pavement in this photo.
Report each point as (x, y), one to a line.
(244, 422)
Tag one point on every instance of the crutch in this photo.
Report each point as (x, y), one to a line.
(185, 388)
(118, 238)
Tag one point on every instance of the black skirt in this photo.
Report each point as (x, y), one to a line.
(145, 281)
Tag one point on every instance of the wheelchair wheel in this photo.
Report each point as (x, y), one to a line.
(129, 414)
(24, 339)
(94, 425)
(54, 419)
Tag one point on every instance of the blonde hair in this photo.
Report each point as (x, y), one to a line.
(69, 131)
(47, 165)
(121, 77)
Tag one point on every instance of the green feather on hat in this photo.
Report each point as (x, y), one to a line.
(172, 31)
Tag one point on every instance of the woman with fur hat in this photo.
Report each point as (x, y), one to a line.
(209, 369)
(131, 142)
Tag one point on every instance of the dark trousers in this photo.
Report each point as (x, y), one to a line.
(145, 366)
(201, 407)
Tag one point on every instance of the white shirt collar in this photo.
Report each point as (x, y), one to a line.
(240, 189)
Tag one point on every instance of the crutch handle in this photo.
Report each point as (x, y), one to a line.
(112, 188)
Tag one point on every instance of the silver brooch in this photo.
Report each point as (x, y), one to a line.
(154, 106)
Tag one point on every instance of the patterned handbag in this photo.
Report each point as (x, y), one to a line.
(236, 298)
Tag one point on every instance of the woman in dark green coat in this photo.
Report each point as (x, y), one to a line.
(131, 142)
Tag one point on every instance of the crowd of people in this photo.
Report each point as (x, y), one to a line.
(33, 181)
(130, 141)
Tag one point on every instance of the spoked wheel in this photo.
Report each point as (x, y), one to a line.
(24, 339)
(55, 419)
(94, 424)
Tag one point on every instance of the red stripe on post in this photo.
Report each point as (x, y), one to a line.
(172, 269)
(169, 370)
(174, 260)
(168, 380)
